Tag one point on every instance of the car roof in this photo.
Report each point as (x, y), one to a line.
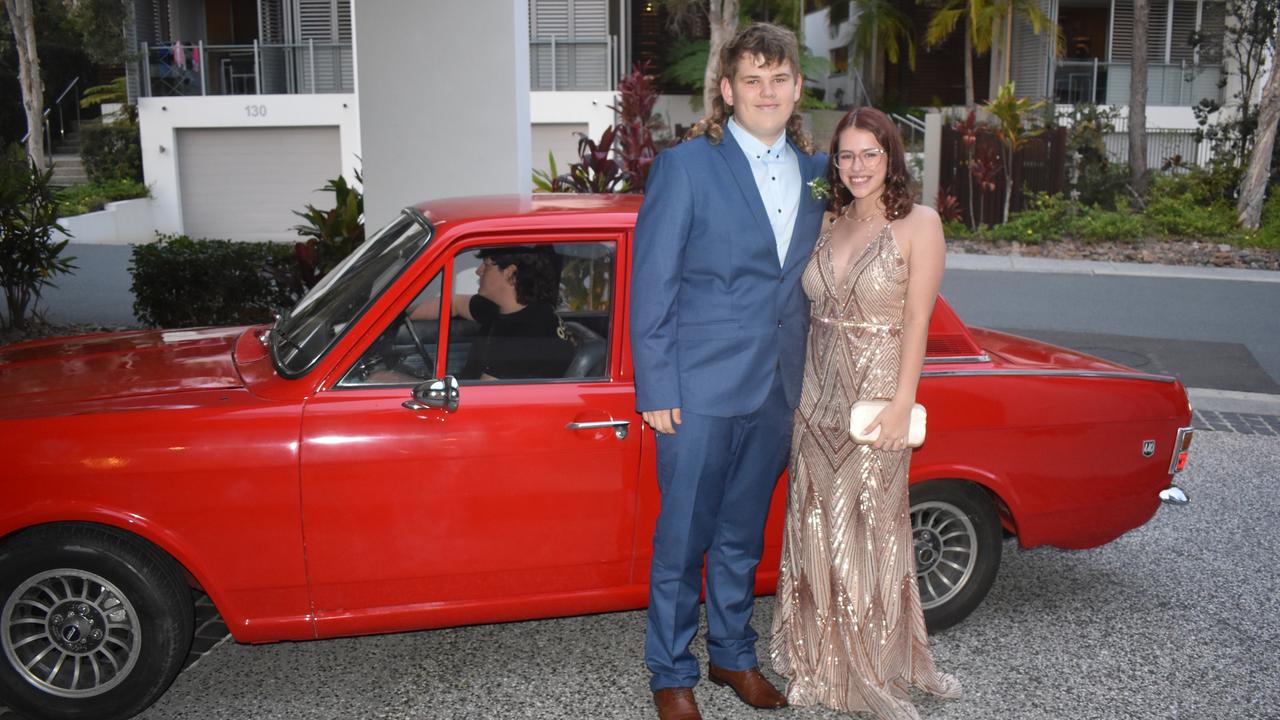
(534, 205)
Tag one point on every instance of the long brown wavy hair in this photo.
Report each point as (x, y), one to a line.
(898, 197)
(775, 45)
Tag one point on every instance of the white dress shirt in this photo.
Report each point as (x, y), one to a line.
(777, 173)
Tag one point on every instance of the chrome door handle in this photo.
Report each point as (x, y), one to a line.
(620, 427)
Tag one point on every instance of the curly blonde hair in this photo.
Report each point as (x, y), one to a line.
(775, 45)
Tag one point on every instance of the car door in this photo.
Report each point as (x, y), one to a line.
(526, 489)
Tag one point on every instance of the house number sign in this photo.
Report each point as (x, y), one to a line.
(254, 111)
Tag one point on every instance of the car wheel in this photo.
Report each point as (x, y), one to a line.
(95, 623)
(957, 539)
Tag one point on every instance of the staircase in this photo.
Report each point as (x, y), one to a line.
(68, 168)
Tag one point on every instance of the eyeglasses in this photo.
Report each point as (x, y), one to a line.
(870, 158)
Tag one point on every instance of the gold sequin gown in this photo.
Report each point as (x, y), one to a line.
(848, 630)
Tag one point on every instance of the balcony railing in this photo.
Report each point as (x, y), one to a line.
(1104, 83)
(256, 69)
(573, 63)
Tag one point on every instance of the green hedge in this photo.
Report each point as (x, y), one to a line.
(111, 152)
(180, 282)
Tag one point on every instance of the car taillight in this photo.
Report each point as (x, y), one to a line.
(1181, 450)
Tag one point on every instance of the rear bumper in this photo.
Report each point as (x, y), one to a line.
(1173, 495)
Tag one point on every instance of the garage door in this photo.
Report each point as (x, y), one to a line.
(245, 183)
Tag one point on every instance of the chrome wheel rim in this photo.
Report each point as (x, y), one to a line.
(71, 633)
(945, 550)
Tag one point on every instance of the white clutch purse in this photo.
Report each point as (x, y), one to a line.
(864, 411)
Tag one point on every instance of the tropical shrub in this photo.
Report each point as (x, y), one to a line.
(331, 234)
(1047, 217)
(637, 95)
(181, 282)
(1193, 204)
(1092, 178)
(80, 199)
(1099, 225)
(1268, 233)
(29, 255)
(111, 152)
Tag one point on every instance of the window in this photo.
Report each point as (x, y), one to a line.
(531, 312)
(840, 60)
(839, 13)
(405, 351)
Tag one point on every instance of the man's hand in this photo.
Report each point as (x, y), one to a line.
(663, 421)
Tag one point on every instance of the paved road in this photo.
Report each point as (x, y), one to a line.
(1179, 619)
(1222, 333)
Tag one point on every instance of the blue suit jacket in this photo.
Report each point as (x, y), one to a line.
(713, 314)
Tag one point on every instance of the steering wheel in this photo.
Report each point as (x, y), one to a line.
(407, 321)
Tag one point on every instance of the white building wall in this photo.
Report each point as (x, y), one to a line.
(161, 117)
(555, 116)
(444, 100)
(819, 38)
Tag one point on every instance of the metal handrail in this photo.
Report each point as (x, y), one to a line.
(62, 123)
(1158, 75)
(67, 89)
(914, 122)
(306, 62)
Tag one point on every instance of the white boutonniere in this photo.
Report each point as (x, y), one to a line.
(820, 189)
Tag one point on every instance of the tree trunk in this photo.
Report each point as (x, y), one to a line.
(1008, 182)
(22, 18)
(1008, 46)
(1254, 186)
(873, 60)
(723, 17)
(969, 97)
(1138, 100)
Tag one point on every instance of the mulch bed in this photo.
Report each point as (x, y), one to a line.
(1162, 252)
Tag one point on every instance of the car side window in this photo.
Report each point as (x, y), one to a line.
(405, 351)
(531, 312)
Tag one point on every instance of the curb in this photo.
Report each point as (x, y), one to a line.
(1019, 263)
(1234, 401)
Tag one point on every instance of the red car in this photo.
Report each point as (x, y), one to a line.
(331, 475)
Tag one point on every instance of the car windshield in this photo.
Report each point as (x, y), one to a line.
(303, 335)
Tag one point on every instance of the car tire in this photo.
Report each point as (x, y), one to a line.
(96, 622)
(957, 539)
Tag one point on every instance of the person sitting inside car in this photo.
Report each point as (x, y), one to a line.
(520, 335)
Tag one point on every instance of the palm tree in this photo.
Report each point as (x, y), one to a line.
(1029, 10)
(980, 19)
(977, 35)
(879, 23)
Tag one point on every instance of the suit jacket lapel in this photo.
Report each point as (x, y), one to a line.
(796, 251)
(733, 156)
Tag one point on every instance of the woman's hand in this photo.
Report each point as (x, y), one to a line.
(894, 422)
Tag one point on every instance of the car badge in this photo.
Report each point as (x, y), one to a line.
(1148, 448)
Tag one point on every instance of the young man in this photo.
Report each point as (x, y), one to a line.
(718, 325)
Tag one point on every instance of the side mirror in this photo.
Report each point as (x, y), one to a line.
(438, 393)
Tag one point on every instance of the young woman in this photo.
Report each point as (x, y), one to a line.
(848, 629)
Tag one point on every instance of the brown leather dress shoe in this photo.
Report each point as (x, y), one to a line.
(676, 704)
(752, 687)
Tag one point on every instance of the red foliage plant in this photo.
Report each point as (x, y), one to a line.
(948, 206)
(637, 95)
